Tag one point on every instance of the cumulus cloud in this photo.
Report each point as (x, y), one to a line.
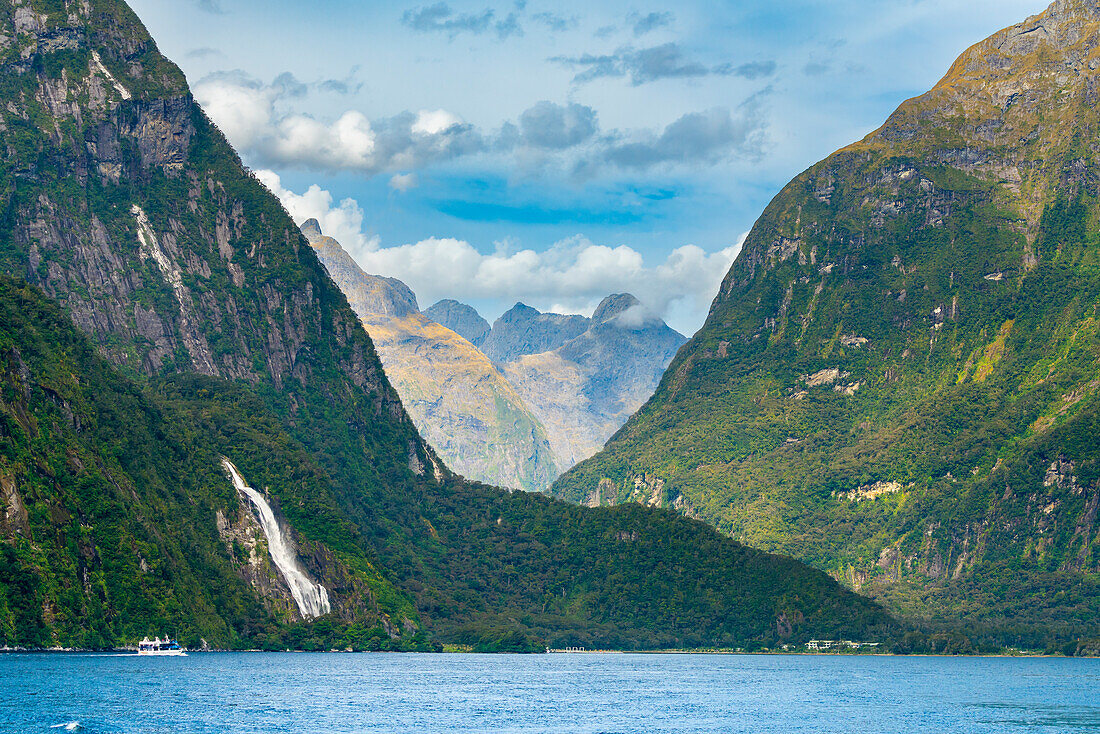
(573, 275)
(342, 221)
(434, 122)
(256, 117)
(643, 66)
(251, 114)
(556, 127)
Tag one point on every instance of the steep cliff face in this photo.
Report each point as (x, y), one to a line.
(129, 208)
(162, 541)
(126, 206)
(459, 400)
(900, 366)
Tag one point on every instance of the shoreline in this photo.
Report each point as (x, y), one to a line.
(132, 651)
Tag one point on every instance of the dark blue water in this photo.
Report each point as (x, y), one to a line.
(546, 693)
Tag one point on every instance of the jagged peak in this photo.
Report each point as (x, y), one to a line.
(311, 228)
(374, 295)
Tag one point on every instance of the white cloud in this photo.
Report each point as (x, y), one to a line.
(572, 276)
(404, 182)
(242, 111)
(253, 116)
(435, 122)
(343, 222)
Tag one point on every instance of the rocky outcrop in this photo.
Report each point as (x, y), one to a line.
(381, 297)
(461, 319)
(244, 541)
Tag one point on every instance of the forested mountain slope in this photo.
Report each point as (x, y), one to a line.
(898, 381)
(219, 333)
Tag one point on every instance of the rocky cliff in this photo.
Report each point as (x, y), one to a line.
(524, 330)
(898, 379)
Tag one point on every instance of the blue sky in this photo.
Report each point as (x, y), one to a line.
(554, 152)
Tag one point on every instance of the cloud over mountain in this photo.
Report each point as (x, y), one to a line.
(572, 275)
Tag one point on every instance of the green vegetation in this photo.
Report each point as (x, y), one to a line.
(898, 382)
(135, 359)
(136, 475)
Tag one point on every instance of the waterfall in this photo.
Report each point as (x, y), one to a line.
(311, 598)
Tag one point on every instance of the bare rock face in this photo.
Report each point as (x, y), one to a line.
(244, 541)
(461, 319)
(384, 297)
(524, 330)
(567, 383)
(585, 389)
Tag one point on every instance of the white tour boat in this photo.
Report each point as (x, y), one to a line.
(160, 647)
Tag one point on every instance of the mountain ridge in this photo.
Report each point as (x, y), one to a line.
(897, 377)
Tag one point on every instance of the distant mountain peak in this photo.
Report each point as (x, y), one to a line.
(311, 228)
(460, 318)
(614, 305)
(375, 295)
(521, 310)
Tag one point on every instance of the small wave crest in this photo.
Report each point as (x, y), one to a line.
(67, 726)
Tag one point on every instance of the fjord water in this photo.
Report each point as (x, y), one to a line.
(591, 694)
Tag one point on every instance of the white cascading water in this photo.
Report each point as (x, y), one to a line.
(312, 599)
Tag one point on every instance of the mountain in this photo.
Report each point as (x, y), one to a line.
(196, 425)
(459, 318)
(590, 382)
(898, 381)
(521, 422)
(119, 519)
(462, 404)
(523, 330)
